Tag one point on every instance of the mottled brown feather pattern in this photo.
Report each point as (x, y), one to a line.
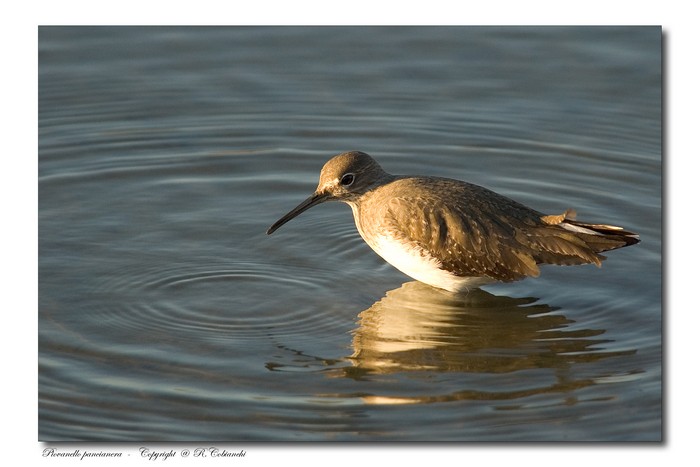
(474, 231)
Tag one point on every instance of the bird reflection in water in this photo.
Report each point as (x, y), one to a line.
(494, 340)
(420, 328)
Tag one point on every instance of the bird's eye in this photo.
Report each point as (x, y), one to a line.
(347, 179)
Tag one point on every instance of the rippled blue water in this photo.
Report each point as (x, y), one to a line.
(166, 313)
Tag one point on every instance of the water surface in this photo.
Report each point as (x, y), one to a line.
(166, 313)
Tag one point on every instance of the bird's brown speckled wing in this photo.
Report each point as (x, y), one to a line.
(477, 232)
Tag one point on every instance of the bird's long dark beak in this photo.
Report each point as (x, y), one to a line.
(311, 201)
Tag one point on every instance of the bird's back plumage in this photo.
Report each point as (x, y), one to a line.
(474, 232)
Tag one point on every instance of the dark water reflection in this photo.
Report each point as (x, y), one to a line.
(419, 328)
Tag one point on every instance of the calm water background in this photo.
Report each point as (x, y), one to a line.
(166, 313)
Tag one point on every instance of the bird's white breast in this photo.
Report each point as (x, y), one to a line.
(420, 265)
(414, 261)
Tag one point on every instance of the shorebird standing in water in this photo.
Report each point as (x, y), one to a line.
(452, 234)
